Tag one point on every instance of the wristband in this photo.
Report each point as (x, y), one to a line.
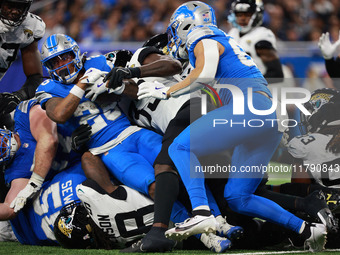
(78, 92)
(36, 179)
(135, 72)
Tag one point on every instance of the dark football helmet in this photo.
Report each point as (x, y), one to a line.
(246, 6)
(119, 57)
(72, 227)
(324, 106)
(14, 12)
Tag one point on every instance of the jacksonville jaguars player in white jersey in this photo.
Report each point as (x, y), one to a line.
(19, 30)
(259, 42)
(211, 52)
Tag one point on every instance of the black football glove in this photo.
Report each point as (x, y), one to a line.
(8, 102)
(80, 137)
(116, 76)
(326, 114)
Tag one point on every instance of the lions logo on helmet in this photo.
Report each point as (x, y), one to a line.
(186, 17)
(246, 6)
(59, 47)
(72, 227)
(14, 12)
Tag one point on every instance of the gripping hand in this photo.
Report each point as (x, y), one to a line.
(8, 102)
(91, 76)
(327, 48)
(80, 137)
(32, 187)
(152, 89)
(116, 76)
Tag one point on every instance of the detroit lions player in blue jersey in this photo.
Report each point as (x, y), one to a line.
(30, 155)
(34, 224)
(215, 55)
(127, 151)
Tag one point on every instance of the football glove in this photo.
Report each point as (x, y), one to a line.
(116, 76)
(32, 187)
(8, 102)
(80, 137)
(96, 89)
(91, 76)
(152, 89)
(327, 48)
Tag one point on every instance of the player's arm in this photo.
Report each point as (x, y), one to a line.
(207, 53)
(6, 212)
(300, 173)
(270, 58)
(33, 70)
(44, 131)
(333, 67)
(159, 66)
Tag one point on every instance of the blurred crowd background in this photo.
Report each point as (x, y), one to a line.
(137, 20)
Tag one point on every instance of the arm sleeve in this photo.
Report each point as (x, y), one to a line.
(333, 67)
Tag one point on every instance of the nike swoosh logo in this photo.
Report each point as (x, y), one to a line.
(158, 88)
(185, 228)
(99, 85)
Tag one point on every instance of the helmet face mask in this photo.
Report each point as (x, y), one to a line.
(8, 145)
(319, 98)
(14, 12)
(72, 227)
(254, 11)
(186, 17)
(56, 50)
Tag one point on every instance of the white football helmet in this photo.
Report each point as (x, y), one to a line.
(185, 17)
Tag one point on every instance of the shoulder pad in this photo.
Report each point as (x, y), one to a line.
(197, 33)
(34, 25)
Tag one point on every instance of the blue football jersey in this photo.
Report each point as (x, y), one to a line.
(34, 223)
(235, 66)
(106, 120)
(23, 161)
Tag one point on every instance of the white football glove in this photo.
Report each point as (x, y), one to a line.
(99, 87)
(32, 187)
(4, 28)
(152, 89)
(91, 76)
(327, 48)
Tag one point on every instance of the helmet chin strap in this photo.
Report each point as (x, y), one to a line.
(14, 145)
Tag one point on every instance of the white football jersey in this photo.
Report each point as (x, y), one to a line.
(125, 217)
(33, 28)
(323, 165)
(251, 38)
(155, 113)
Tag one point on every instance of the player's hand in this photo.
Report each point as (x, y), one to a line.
(32, 187)
(4, 28)
(8, 102)
(91, 76)
(93, 91)
(116, 76)
(334, 144)
(327, 48)
(152, 89)
(80, 137)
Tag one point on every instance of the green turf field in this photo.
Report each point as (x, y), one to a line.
(16, 248)
(275, 178)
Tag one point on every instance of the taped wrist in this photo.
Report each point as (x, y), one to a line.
(135, 72)
(36, 180)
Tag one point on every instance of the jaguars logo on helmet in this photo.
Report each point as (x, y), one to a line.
(72, 227)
